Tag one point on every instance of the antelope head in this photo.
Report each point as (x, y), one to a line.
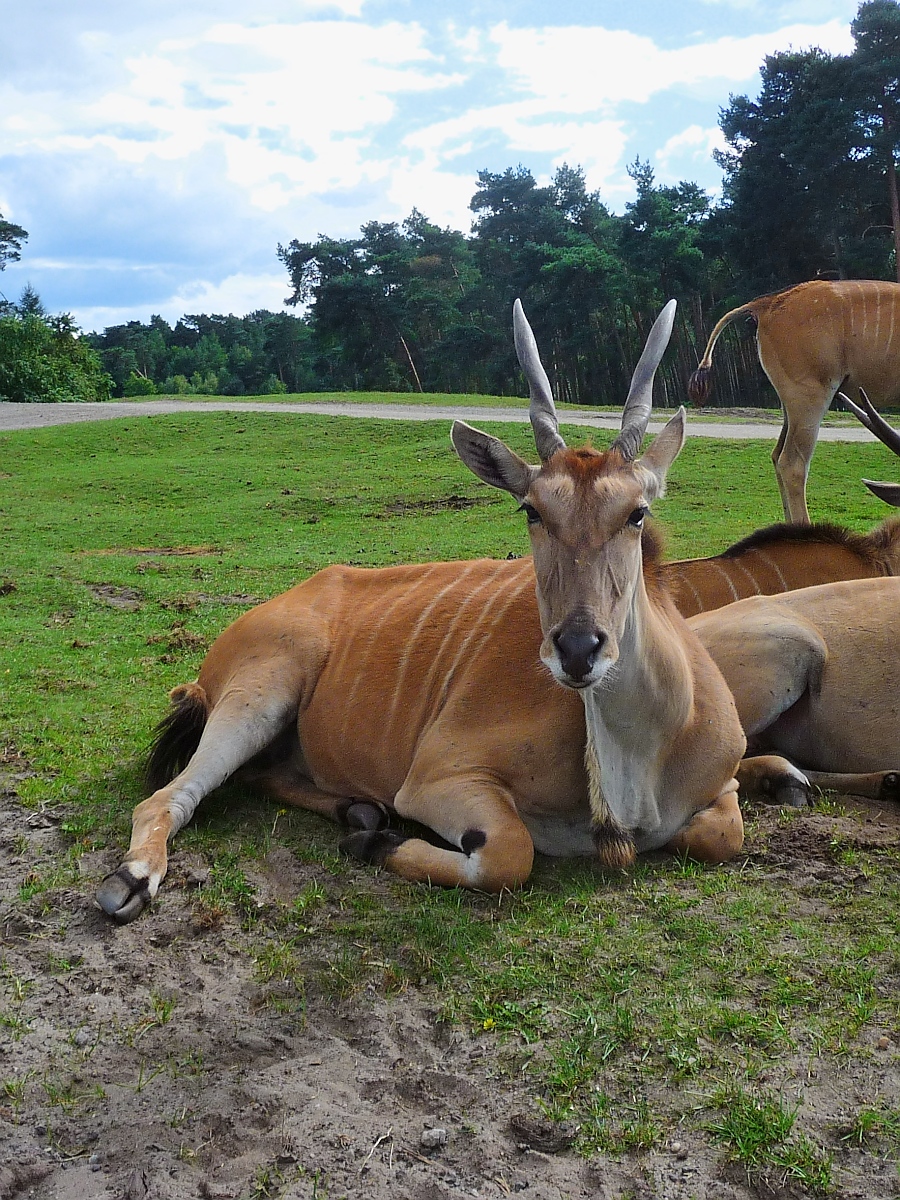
(585, 510)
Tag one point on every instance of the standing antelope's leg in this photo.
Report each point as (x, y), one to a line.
(804, 408)
(715, 834)
(776, 455)
(476, 814)
(241, 724)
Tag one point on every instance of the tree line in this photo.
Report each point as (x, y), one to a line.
(809, 191)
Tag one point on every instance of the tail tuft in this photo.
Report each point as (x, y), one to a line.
(178, 734)
(699, 385)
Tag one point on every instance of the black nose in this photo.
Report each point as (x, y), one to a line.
(577, 649)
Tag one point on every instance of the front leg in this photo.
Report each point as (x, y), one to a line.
(487, 846)
(714, 834)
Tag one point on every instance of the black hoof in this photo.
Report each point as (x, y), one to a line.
(790, 793)
(372, 846)
(122, 896)
(365, 814)
(890, 787)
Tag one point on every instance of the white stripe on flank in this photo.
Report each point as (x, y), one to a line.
(485, 634)
(697, 598)
(890, 336)
(423, 620)
(740, 566)
(877, 334)
(785, 587)
(361, 675)
(727, 578)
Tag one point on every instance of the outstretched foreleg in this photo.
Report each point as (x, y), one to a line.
(771, 778)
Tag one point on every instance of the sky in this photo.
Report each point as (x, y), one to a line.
(158, 153)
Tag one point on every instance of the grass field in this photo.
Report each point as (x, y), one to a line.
(670, 1001)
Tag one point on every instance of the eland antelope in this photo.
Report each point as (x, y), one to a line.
(814, 676)
(419, 690)
(810, 338)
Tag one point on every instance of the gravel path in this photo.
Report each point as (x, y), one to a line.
(34, 416)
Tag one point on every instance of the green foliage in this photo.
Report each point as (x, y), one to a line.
(260, 354)
(44, 359)
(11, 238)
(138, 385)
(810, 183)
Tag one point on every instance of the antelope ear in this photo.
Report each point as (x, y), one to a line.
(664, 449)
(491, 460)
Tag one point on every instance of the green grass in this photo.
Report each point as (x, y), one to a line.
(633, 1004)
(87, 512)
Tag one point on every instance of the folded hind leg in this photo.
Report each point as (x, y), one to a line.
(239, 726)
(287, 784)
(775, 780)
(489, 847)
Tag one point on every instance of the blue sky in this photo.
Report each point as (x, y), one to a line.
(157, 154)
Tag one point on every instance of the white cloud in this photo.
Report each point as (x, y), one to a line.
(181, 143)
(693, 145)
(237, 294)
(293, 112)
(579, 69)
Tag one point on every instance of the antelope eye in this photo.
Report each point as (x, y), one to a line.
(636, 520)
(532, 516)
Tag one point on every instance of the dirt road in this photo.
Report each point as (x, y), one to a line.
(33, 416)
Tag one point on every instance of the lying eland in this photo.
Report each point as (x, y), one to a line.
(419, 689)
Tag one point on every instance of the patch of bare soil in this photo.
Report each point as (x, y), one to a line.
(157, 551)
(451, 503)
(128, 599)
(150, 1063)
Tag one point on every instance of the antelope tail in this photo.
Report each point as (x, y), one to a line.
(177, 735)
(699, 383)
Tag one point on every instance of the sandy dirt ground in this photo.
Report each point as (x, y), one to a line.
(148, 1062)
(739, 423)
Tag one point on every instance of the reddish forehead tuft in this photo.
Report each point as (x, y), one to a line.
(585, 465)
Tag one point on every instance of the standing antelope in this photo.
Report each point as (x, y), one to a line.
(419, 690)
(810, 338)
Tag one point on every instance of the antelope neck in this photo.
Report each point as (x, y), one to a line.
(636, 712)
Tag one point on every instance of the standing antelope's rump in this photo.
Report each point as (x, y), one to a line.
(811, 339)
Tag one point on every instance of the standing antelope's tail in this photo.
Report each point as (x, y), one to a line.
(699, 384)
